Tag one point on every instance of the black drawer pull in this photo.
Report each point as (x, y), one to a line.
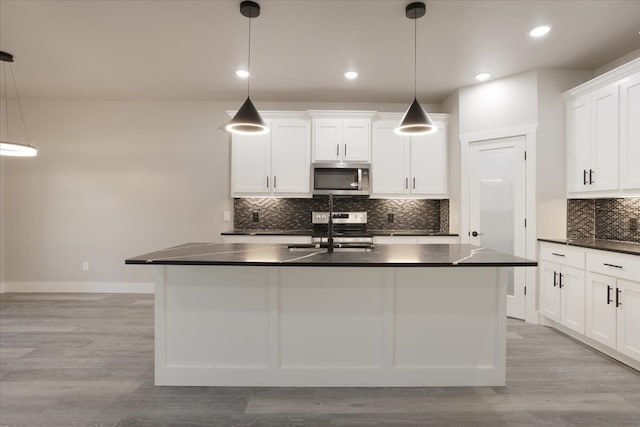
(613, 265)
(556, 254)
(609, 300)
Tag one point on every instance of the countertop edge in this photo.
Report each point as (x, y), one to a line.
(331, 264)
(594, 246)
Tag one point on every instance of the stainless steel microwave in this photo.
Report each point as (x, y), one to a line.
(341, 178)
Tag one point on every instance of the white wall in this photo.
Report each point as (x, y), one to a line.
(498, 104)
(112, 180)
(618, 62)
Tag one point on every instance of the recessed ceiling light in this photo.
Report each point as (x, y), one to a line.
(243, 74)
(540, 31)
(482, 76)
(351, 75)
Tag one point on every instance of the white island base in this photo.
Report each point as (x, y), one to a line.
(330, 326)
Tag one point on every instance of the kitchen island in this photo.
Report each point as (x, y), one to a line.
(266, 315)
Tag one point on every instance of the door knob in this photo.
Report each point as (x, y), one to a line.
(476, 234)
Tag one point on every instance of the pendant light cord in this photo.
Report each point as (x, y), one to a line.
(415, 57)
(249, 61)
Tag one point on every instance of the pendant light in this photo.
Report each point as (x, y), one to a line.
(8, 148)
(415, 121)
(247, 120)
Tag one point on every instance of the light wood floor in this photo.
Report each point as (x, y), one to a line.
(87, 360)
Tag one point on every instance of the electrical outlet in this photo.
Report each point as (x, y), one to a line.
(85, 265)
(227, 216)
(633, 224)
(390, 218)
(256, 218)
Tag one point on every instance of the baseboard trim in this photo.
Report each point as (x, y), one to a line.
(78, 287)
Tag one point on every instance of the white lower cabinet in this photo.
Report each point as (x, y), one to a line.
(594, 293)
(562, 295)
(613, 313)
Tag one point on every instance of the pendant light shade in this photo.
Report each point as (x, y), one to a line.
(247, 120)
(10, 148)
(415, 121)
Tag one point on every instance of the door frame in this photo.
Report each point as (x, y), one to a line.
(529, 134)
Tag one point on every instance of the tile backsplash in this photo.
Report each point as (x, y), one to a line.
(295, 214)
(607, 219)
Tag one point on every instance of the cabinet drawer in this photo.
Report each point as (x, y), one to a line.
(562, 254)
(616, 265)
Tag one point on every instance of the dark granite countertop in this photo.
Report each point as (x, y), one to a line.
(603, 245)
(258, 232)
(432, 255)
(270, 232)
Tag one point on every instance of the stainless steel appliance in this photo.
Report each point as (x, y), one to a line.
(349, 229)
(341, 178)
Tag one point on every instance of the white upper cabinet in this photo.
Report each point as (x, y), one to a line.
(290, 157)
(274, 164)
(409, 167)
(592, 141)
(630, 133)
(429, 162)
(341, 136)
(603, 138)
(251, 164)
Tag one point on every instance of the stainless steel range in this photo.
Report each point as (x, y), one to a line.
(349, 229)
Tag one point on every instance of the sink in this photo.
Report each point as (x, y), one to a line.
(312, 248)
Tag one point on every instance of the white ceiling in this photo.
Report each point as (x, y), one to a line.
(189, 49)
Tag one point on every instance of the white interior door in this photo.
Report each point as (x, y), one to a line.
(498, 205)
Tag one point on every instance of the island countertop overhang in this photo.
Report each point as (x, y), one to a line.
(400, 255)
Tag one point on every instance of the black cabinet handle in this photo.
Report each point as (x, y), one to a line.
(555, 279)
(556, 254)
(612, 265)
(560, 281)
(618, 302)
(609, 301)
(590, 176)
(584, 177)
(267, 182)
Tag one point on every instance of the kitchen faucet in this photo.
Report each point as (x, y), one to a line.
(330, 224)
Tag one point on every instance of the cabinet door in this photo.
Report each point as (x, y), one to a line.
(549, 291)
(578, 144)
(390, 174)
(291, 158)
(630, 133)
(327, 138)
(355, 140)
(251, 164)
(601, 309)
(604, 138)
(628, 313)
(572, 299)
(429, 163)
